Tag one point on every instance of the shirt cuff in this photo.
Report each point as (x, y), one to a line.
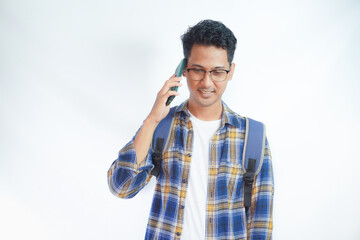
(147, 164)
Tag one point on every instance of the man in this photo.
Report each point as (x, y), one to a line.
(199, 191)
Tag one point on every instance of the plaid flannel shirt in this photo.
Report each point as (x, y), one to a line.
(226, 217)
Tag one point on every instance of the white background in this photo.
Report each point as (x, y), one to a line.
(78, 77)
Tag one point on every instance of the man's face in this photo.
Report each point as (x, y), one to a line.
(206, 92)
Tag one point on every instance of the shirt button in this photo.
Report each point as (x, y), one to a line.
(178, 233)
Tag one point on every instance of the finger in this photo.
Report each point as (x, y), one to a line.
(175, 84)
(171, 82)
(163, 99)
(172, 93)
(174, 78)
(169, 85)
(169, 93)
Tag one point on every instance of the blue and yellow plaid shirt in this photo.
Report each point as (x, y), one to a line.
(226, 217)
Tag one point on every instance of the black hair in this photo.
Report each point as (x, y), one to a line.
(209, 33)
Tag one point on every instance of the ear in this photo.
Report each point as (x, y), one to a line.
(231, 73)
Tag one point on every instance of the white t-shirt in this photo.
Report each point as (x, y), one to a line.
(196, 194)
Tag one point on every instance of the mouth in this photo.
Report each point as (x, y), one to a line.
(206, 93)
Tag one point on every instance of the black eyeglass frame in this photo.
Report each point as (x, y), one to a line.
(211, 71)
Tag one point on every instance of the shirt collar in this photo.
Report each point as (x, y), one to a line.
(228, 116)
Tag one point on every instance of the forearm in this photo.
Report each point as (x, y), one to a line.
(131, 171)
(125, 177)
(143, 139)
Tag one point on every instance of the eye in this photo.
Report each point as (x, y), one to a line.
(218, 72)
(197, 70)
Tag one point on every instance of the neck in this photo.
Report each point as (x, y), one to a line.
(206, 113)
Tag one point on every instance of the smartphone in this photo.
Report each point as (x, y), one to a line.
(178, 73)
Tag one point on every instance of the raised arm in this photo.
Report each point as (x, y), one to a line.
(129, 173)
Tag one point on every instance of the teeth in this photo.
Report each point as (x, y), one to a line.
(205, 91)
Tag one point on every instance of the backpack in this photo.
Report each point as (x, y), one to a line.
(253, 153)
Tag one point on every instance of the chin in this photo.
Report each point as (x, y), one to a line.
(201, 102)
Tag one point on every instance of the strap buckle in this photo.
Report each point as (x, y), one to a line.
(156, 157)
(249, 178)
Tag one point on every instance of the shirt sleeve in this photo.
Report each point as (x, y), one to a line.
(125, 177)
(260, 220)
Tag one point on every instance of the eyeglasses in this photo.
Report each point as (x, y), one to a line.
(197, 74)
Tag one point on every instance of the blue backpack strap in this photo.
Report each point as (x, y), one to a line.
(160, 140)
(253, 155)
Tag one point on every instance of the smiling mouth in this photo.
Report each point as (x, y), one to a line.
(206, 93)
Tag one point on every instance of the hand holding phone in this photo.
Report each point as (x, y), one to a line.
(178, 73)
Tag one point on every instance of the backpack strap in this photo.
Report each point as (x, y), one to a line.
(160, 140)
(253, 155)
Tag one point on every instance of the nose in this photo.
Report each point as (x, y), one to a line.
(206, 81)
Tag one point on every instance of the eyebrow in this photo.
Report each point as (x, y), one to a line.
(197, 65)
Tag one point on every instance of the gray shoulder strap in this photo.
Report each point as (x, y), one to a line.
(254, 144)
(162, 130)
(160, 140)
